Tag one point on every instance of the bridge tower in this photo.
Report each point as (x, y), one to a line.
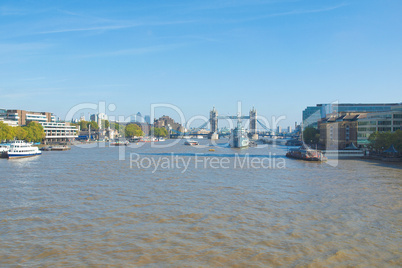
(253, 123)
(213, 120)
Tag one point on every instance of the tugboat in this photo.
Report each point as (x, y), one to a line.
(19, 149)
(238, 136)
(305, 153)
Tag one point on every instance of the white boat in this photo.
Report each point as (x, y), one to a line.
(161, 139)
(19, 149)
(191, 142)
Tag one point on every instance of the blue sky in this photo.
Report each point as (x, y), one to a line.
(279, 56)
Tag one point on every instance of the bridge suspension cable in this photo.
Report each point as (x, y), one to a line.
(264, 126)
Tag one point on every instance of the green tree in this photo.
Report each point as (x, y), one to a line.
(105, 123)
(6, 132)
(311, 135)
(380, 141)
(132, 130)
(94, 125)
(83, 125)
(20, 133)
(34, 131)
(159, 132)
(117, 127)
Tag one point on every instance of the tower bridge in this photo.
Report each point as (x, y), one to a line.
(214, 119)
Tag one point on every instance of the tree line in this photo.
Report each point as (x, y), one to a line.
(133, 130)
(380, 141)
(129, 130)
(32, 132)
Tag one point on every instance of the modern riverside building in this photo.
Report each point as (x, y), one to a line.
(313, 114)
(4, 119)
(381, 121)
(59, 132)
(22, 118)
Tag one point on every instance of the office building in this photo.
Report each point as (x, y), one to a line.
(380, 121)
(56, 132)
(22, 117)
(312, 114)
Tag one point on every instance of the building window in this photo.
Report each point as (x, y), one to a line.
(384, 123)
(384, 129)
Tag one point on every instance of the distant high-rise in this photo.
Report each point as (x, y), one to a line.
(147, 119)
(139, 118)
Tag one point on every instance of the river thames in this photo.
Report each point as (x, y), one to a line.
(186, 206)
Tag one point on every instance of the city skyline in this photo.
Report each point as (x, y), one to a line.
(278, 56)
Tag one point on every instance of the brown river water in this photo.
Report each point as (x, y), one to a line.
(228, 207)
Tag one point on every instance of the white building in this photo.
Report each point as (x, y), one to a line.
(59, 132)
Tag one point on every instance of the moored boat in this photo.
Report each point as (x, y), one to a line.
(19, 149)
(60, 148)
(148, 139)
(238, 137)
(307, 154)
(4, 150)
(119, 143)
